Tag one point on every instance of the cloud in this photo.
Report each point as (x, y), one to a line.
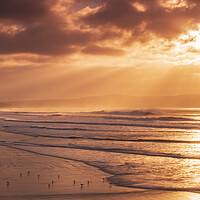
(38, 29)
(22, 11)
(46, 39)
(80, 4)
(119, 13)
(159, 20)
(61, 27)
(107, 51)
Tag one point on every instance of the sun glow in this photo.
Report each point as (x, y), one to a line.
(196, 39)
(191, 39)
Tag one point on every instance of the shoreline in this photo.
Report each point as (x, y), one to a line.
(14, 161)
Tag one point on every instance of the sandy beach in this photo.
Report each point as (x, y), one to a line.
(29, 186)
(39, 177)
(25, 175)
(15, 166)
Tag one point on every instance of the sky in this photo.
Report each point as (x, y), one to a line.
(59, 49)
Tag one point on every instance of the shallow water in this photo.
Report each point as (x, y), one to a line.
(151, 149)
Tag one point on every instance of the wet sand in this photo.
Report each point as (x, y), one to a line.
(25, 175)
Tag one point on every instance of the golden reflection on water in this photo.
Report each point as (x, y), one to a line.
(194, 135)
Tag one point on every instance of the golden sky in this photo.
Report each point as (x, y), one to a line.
(54, 49)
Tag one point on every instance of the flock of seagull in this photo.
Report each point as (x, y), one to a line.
(52, 182)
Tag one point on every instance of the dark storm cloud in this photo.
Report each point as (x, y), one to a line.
(116, 12)
(43, 31)
(43, 39)
(163, 22)
(24, 10)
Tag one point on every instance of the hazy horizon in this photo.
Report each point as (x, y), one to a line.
(105, 102)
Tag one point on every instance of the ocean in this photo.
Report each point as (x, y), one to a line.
(149, 149)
